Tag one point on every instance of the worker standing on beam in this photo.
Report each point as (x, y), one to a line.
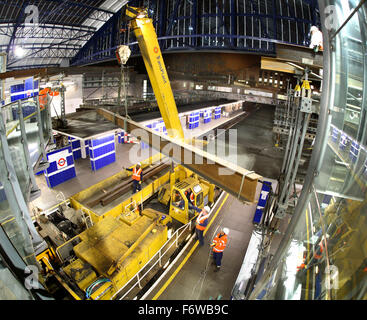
(219, 244)
(316, 39)
(201, 224)
(137, 177)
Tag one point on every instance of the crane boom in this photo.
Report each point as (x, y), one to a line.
(146, 36)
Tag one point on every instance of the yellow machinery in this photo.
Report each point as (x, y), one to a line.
(180, 210)
(113, 250)
(103, 258)
(145, 33)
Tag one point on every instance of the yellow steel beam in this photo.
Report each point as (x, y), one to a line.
(240, 182)
(149, 47)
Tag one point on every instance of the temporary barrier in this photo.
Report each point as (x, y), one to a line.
(24, 90)
(264, 195)
(121, 137)
(27, 110)
(76, 148)
(343, 141)
(326, 200)
(194, 118)
(217, 112)
(335, 135)
(354, 151)
(207, 116)
(61, 166)
(102, 151)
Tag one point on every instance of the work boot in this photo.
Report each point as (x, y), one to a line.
(217, 269)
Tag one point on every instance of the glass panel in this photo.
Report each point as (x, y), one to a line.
(16, 230)
(325, 256)
(178, 200)
(199, 199)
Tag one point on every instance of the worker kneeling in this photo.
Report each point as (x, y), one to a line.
(137, 177)
(219, 244)
(201, 224)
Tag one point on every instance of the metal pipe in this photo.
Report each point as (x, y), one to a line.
(347, 20)
(292, 158)
(300, 149)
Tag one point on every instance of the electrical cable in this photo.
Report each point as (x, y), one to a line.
(89, 290)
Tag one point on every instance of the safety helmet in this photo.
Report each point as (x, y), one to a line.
(207, 209)
(313, 29)
(226, 231)
(138, 164)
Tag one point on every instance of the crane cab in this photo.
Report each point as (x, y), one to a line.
(181, 201)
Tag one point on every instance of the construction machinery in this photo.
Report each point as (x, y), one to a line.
(147, 39)
(124, 231)
(181, 208)
(94, 252)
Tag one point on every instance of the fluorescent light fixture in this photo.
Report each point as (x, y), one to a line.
(19, 52)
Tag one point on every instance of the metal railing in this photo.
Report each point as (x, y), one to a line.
(160, 258)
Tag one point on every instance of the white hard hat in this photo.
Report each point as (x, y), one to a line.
(226, 231)
(314, 28)
(139, 164)
(207, 208)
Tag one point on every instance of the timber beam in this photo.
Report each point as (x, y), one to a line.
(239, 182)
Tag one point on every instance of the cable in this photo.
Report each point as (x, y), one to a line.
(89, 290)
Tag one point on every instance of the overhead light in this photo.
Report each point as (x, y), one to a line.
(19, 52)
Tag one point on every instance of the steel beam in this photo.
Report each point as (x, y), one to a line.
(204, 164)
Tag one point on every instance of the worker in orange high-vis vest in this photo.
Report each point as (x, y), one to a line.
(137, 177)
(201, 224)
(190, 196)
(219, 244)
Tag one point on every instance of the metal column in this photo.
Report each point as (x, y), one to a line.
(294, 152)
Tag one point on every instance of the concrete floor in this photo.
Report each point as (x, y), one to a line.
(255, 148)
(197, 279)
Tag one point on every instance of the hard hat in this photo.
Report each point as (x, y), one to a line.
(226, 231)
(138, 164)
(314, 28)
(207, 208)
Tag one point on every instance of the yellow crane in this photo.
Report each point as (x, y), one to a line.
(151, 53)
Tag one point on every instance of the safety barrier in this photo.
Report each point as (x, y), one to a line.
(159, 260)
(24, 90)
(102, 151)
(61, 166)
(194, 118)
(76, 148)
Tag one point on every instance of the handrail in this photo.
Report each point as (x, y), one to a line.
(159, 254)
